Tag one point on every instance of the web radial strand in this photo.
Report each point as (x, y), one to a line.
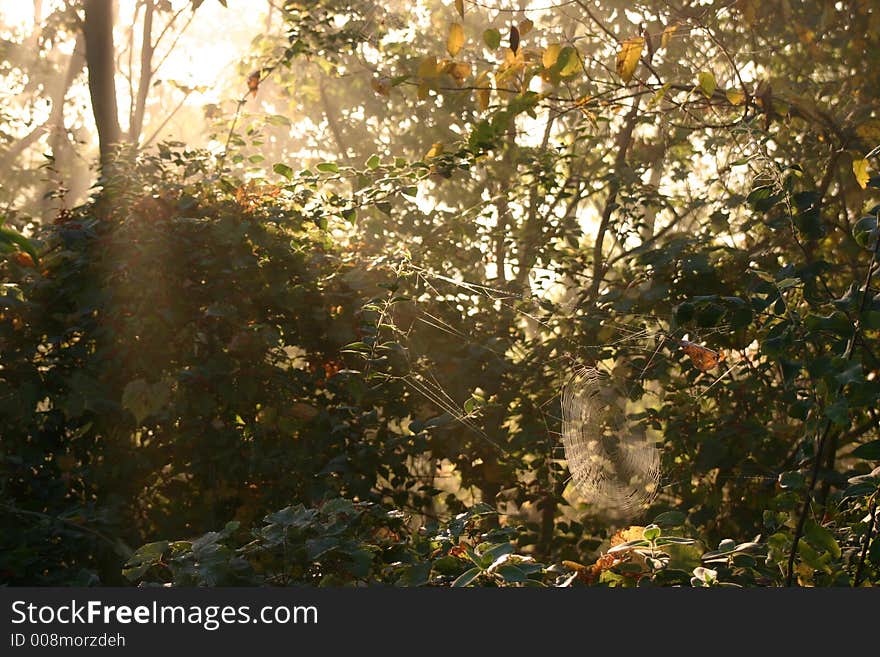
(614, 465)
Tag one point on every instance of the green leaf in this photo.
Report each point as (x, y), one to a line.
(283, 170)
(145, 557)
(868, 451)
(707, 83)
(10, 236)
(821, 538)
(838, 412)
(415, 575)
(359, 347)
(568, 63)
(628, 546)
(511, 573)
(651, 533)
(786, 283)
(837, 322)
(670, 519)
(792, 480)
(373, 162)
(865, 232)
(478, 562)
(328, 167)
(492, 38)
(861, 489)
(466, 578)
(487, 557)
(143, 399)
(675, 540)
(318, 547)
(852, 374)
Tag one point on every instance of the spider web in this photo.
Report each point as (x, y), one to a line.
(614, 463)
(611, 452)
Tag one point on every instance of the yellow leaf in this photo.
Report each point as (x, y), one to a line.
(455, 40)
(525, 27)
(628, 57)
(484, 98)
(860, 169)
(631, 533)
(707, 83)
(435, 150)
(428, 68)
(459, 7)
(735, 96)
(667, 35)
(551, 54)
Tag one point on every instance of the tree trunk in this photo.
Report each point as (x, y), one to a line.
(98, 32)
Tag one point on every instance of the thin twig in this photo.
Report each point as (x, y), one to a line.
(872, 514)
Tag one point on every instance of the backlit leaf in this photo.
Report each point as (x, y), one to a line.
(570, 61)
(735, 96)
(707, 83)
(551, 54)
(484, 90)
(428, 68)
(283, 170)
(459, 7)
(667, 35)
(455, 40)
(435, 151)
(525, 27)
(628, 57)
(860, 170)
(492, 38)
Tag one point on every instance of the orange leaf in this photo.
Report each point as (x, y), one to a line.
(253, 82)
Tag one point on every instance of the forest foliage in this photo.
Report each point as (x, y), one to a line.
(339, 362)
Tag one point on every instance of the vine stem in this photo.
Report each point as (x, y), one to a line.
(820, 447)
